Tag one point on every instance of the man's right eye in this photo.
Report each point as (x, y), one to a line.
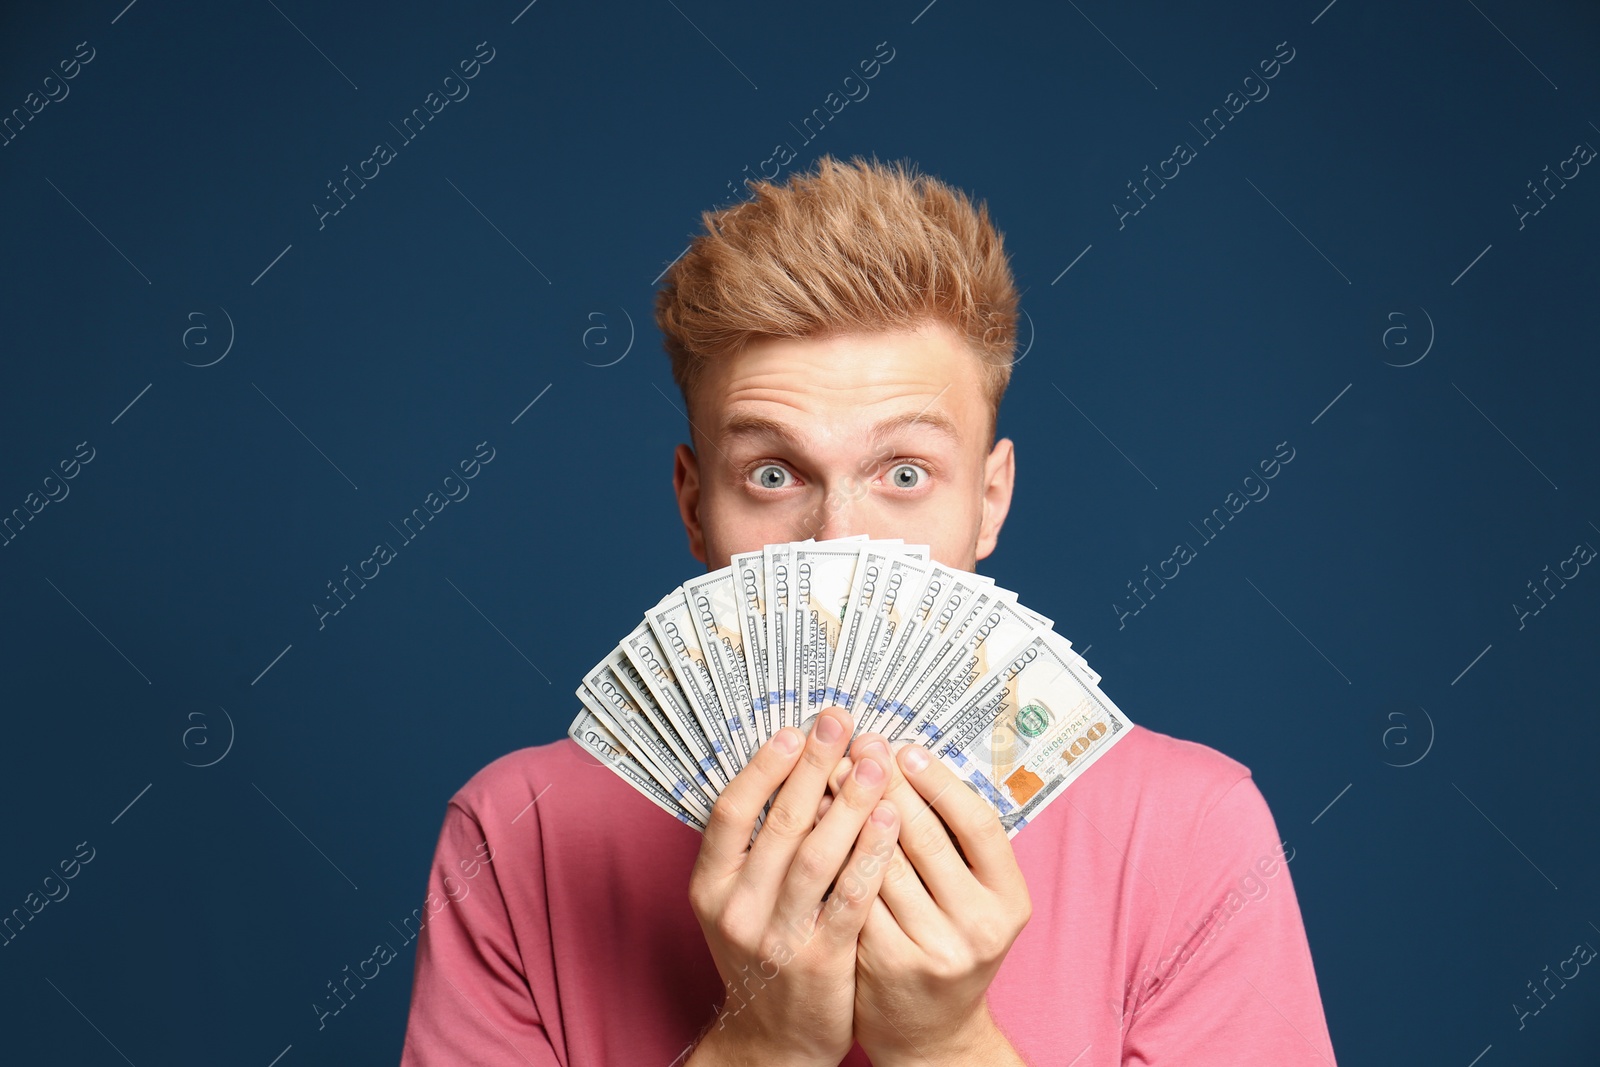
(771, 476)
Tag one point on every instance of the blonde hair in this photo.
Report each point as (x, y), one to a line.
(844, 248)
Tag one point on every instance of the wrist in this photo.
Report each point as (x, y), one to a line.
(718, 1048)
(977, 1040)
(724, 1046)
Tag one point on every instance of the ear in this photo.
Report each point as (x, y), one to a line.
(999, 476)
(686, 484)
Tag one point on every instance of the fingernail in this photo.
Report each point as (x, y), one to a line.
(829, 728)
(786, 741)
(913, 758)
(880, 752)
(883, 815)
(869, 772)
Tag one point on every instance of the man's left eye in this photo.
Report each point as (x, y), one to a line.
(907, 476)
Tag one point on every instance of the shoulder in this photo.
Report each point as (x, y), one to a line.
(1154, 795)
(563, 796)
(1152, 768)
(503, 789)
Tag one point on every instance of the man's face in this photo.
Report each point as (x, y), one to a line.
(883, 434)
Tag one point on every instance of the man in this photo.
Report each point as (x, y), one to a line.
(842, 342)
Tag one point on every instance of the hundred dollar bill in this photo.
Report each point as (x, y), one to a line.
(929, 600)
(998, 629)
(645, 656)
(867, 587)
(1028, 730)
(1043, 623)
(959, 603)
(673, 626)
(593, 737)
(889, 612)
(779, 563)
(1038, 620)
(750, 577)
(1070, 654)
(703, 772)
(823, 574)
(792, 639)
(713, 601)
(902, 708)
(792, 624)
(605, 699)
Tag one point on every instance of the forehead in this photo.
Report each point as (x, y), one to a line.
(846, 388)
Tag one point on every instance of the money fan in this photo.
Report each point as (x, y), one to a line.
(915, 650)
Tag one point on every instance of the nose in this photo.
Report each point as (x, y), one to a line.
(839, 513)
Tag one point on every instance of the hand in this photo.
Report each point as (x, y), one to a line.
(789, 961)
(939, 928)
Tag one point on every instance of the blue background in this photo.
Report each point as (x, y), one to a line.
(1352, 638)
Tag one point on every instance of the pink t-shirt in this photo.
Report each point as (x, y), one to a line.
(1165, 929)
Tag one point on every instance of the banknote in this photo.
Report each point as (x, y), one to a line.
(904, 706)
(778, 561)
(867, 588)
(702, 771)
(650, 664)
(714, 608)
(1038, 620)
(750, 577)
(593, 737)
(930, 599)
(960, 603)
(1074, 657)
(997, 628)
(602, 694)
(1044, 623)
(673, 625)
(1027, 731)
(882, 622)
(822, 575)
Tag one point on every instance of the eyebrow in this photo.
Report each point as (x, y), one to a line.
(751, 425)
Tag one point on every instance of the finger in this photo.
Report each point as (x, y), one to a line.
(908, 899)
(884, 932)
(970, 818)
(841, 772)
(733, 816)
(818, 859)
(823, 805)
(925, 840)
(794, 812)
(857, 889)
